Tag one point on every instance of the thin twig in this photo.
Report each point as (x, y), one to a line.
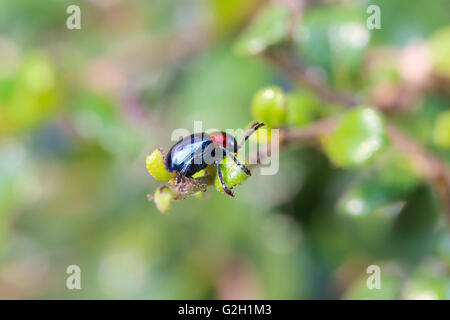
(308, 133)
(290, 137)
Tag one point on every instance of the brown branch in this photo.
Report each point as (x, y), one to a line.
(430, 167)
(307, 133)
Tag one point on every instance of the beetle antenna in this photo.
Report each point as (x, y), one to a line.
(255, 126)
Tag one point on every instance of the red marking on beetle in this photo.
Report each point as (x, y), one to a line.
(219, 138)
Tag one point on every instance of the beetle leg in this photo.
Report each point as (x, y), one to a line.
(179, 177)
(255, 126)
(222, 181)
(232, 156)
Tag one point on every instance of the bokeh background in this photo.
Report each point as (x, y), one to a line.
(81, 109)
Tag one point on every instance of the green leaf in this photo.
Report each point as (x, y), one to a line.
(359, 135)
(414, 231)
(155, 166)
(336, 39)
(232, 173)
(269, 28)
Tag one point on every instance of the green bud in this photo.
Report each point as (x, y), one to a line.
(199, 174)
(163, 198)
(441, 133)
(269, 106)
(232, 173)
(155, 165)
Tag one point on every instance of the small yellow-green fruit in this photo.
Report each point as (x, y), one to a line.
(199, 174)
(303, 108)
(261, 136)
(163, 198)
(155, 165)
(232, 173)
(209, 170)
(441, 133)
(199, 195)
(269, 106)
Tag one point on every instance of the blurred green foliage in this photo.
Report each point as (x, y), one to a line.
(80, 110)
(358, 136)
(269, 28)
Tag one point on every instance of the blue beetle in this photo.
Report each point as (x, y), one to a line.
(195, 152)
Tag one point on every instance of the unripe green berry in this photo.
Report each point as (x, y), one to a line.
(155, 165)
(262, 136)
(232, 173)
(163, 198)
(358, 136)
(269, 106)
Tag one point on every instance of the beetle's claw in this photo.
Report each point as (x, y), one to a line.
(229, 192)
